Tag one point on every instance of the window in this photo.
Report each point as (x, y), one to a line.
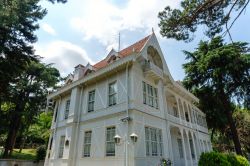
(66, 114)
(144, 93)
(87, 143)
(148, 140)
(154, 144)
(192, 148)
(61, 146)
(112, 94)
(187, 117)
(160, 142)
(110, 142)
(91, 101)
(175, 111)
(179, 142)
(150, 95)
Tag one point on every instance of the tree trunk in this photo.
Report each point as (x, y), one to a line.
(212, 134)
(234, 133)
(22, 144)
(12, 134)
(228, 109)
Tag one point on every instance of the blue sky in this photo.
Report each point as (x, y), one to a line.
(83, 31)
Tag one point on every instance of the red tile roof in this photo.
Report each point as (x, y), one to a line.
(125, 52)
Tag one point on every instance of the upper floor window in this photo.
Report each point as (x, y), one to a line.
(154, 143)
(66, 114)
(150, 95)
(110, 142)
(87, 143)
(61, 147)
(91, 101)
(112, 94)
(175, 111)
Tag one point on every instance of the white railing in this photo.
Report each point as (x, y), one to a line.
(149, 66)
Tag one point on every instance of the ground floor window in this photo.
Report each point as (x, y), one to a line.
(153, 141)
(110, 142)
(192, 148)
(61, 147)
(87, 143)
(180, 147)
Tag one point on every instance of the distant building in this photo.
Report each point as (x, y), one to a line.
(126, 110)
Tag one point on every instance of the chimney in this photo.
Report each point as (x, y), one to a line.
(79, 71)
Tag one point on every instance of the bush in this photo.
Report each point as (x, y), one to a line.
(237, 160)
(41, 153)
(221, 159)
(213, 159)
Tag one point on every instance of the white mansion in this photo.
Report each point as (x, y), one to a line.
(126, 110)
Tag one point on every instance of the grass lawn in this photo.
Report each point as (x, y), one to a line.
(27, 154)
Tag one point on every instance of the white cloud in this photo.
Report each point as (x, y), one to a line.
(103, 20)
(47, 28)
(64, 55)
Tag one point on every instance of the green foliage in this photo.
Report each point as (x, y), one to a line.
(242, 119)
(27, 154)
(41, 153)
(219, 74)
(237, 160)
(213, 159)
(221, 159)
(24, 81)
(39, 132)
(181, 24)
(18, 23)
(17, 26)
(28, 95)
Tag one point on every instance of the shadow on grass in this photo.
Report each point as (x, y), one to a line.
(26, 154)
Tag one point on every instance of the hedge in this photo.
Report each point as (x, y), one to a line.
(222, 159)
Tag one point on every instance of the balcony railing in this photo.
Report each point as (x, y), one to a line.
(153, 71)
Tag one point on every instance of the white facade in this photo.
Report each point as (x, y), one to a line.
(163, 115)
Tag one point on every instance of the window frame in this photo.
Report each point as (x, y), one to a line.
(91, 101)
(87, 144)
(153, 141)
(112, 95)
(67, 107)
(150, 95)
(61, 146)
(180, 148)
(110, 142)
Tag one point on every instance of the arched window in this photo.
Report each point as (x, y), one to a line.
(154, 56)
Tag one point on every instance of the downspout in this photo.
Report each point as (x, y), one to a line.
(127, 111)
(77, 128)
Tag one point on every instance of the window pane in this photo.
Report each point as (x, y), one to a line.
(154, 144)
(112, 94)
(61, 146)
(179, 141)
(110, 143)
(87, 144)
(66, 114)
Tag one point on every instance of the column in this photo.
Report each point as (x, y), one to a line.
(178, 107)
(189, 149)
(194, 145)
(184, 148)
(170, 152)
(75, 113)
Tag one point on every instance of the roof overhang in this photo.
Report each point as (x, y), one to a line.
(94, 77)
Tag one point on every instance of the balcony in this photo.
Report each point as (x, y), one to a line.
(152, 71)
